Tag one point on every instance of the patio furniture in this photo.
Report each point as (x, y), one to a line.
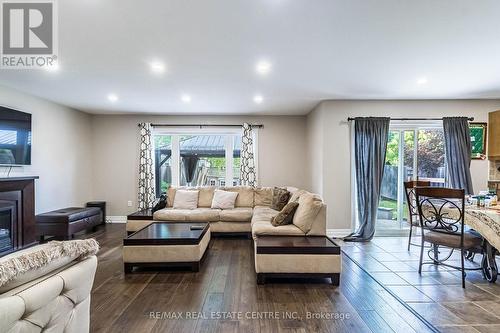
(441, 228)
(413, 218)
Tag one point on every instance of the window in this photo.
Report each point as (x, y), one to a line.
(163, 162)
(197, 157)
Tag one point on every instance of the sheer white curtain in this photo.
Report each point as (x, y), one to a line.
(146, 194)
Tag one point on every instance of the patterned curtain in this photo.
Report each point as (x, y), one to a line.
(248, 175)
(146, 193)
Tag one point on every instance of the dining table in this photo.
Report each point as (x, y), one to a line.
(486, 221)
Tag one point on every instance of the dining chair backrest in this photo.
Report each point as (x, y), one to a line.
(441, 209)
(410, 196)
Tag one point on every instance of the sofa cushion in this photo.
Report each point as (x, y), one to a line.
(224, 199)
(263, 196)
(263, 213)
(285, 216)
(203, 215)
(195, 215)
(309, 207)
(205, 196)
(245, 196)
(280, 198)
(170, 214)
(241, 214)
(265, 228)
(186, 199)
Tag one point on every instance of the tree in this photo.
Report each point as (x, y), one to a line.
(430, 152)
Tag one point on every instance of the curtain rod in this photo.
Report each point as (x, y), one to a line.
(418, 119)
(203, 125)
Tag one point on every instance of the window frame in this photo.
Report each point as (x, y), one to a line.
(176, 132)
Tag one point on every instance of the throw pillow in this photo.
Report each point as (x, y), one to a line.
(280, 198)
(296, 195)
(186, 199)
(285, 216)
(224, 199)
(309, 207)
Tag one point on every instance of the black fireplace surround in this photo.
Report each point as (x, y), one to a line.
(7, 227)
(17, 214)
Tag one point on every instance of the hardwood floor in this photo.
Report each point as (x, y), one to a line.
(146, 301)
(437, 294)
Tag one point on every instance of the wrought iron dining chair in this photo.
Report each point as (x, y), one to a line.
(441, 212)
(413, 218)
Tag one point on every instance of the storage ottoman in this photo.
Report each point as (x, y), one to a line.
(64, 223)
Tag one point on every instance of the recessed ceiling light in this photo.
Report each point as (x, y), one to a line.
(112, 97)
(263, 67)
(422, 80)
(186, 98)
(157, 67)
(258, 99)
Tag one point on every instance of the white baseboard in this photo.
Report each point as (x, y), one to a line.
(116, 219)
(338, 232)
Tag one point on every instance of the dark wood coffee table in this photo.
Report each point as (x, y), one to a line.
(166, 244)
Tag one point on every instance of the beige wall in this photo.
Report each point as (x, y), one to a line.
(333, 142)
(81, 157)
(282, 151)
(60, 153)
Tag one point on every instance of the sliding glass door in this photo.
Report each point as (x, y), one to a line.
(413, 152)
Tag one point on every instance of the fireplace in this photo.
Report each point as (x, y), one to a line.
(8, 239)
(17, 214)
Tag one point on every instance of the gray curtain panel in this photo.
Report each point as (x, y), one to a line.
(458, 153)
(370, 143)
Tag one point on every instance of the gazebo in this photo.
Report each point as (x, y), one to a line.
(192, 149)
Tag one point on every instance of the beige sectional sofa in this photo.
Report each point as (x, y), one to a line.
(252, 213)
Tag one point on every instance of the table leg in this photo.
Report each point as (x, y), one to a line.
(489, 265)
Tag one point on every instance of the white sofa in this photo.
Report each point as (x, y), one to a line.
(52, 297)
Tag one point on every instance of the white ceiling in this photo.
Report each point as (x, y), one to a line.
(319, 49)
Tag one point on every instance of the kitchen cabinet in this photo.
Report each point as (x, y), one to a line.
(494, 135)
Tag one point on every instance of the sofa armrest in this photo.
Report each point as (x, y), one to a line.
(318, 227)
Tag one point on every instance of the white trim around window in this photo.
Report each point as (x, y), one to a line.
(230, 132)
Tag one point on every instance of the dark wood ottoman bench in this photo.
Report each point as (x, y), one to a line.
(64, 223)
(297, 257)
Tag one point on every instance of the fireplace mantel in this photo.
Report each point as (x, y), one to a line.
(19, 194)
(10, 179)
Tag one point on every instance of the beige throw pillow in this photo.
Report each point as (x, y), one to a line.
(186, 199)
(285, 216)
(309, 207)
(224, 199)
(296, 195)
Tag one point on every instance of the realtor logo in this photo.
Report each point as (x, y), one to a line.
(28, 34)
